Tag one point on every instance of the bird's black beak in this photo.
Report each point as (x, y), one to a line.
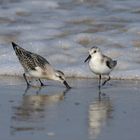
(66, 84)
(87, 58)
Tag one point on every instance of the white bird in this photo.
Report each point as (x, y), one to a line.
(38, 67)
(100, 64)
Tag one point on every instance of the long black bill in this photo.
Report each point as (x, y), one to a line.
(87, 58)
(66, 84)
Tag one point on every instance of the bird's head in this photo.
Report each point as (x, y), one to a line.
(59, 76)
(92, 51)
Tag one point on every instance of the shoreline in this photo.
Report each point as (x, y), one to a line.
(74, 78)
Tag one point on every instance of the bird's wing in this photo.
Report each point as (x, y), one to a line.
(39, 60)
(109, 62)
(28, 59)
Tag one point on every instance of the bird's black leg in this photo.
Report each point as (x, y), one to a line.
(26, 90)
(26, 80)
(106, 81)
(100, 81)
(41, 83)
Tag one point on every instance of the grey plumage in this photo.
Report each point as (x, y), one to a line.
(29, 60)
(111, 63)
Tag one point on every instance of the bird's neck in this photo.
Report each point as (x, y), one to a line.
(98, 55)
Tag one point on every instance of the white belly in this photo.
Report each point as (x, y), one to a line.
(99, 68)
(37, 73)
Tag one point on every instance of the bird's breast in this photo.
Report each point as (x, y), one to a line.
(98, 66)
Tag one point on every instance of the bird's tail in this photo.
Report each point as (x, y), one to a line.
(18, 50)
(15, 46)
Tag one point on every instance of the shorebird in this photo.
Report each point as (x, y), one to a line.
(38, 67)
(100, 64)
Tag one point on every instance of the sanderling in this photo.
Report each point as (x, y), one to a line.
(38, 67)
(100, 64)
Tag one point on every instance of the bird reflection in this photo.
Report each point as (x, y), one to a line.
(100, 112)
(34, 109)
(28, 88)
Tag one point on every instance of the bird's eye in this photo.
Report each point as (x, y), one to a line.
(94, 51)
(60, 77)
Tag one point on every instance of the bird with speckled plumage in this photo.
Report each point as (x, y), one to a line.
(38, 67)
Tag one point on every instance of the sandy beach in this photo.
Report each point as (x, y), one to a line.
(53, 113)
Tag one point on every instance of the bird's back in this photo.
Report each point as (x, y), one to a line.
(28, 59)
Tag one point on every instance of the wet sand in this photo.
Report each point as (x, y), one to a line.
(53, 113)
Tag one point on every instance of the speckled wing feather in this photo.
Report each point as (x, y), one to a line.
(29, 60)
(39, 60)
(109, 62)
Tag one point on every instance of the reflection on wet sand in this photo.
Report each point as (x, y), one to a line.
(33, 111)
(99, 112)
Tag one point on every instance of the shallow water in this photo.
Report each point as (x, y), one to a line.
(56, 114)
(63, 30)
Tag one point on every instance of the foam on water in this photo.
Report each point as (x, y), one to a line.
(63, 31)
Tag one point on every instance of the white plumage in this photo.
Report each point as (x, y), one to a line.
(100, 64)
